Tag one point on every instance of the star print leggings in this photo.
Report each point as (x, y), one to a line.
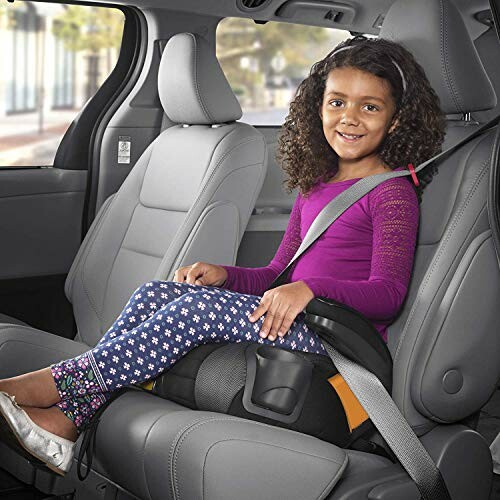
(161, 322)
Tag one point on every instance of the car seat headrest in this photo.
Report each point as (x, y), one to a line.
(192, 87)
(435, 33)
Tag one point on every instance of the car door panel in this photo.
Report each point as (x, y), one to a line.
(40, 220)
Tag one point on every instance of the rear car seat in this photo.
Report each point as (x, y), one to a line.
(444, 343)
(488, 48)
(188, 198)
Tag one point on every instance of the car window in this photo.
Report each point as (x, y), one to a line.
(265, 63)
(54, 59)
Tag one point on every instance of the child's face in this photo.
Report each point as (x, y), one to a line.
(359, 104)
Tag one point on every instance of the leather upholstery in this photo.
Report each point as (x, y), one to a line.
(435, 378)
(488, 48)
(191, 84)
(178, 453)
(162, 218)
(438, 38)
(23, 349)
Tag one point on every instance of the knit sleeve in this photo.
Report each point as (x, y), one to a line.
(395, 216)
(256, 280)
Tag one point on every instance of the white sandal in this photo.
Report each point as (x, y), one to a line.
(54, 451)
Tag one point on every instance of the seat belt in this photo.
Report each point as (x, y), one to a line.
(336, 207)
(370, 392)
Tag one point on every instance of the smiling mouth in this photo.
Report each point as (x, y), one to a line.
(349, 137)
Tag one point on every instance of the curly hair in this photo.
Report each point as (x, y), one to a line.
(303, 151)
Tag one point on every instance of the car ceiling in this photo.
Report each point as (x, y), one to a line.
(365, 18)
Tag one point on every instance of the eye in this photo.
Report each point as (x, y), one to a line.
(371, 107)
(336, 103)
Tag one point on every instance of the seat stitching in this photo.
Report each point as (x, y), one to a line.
(222, 139)
(141, 252)
(144, 453)
(94, 307)
(437, 258)
(221, 159)
(127, 229)
(86, 253)
(188, 220)
(71, 275)
(198, 94)
(194, 206)
(191, 427)
(173, 483)
(143, 205)
(199, 423)
(274, 446)
(483, 238)
(125, 233)
(183, 225)
(449, 232)
(444, 59)
(336, 477)
(53, 349)
(440, 287)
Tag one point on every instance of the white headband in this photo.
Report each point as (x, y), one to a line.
(403, 81)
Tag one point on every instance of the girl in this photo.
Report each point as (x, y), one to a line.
(366, 108)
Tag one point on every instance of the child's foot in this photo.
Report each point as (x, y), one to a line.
(18, 427)
(52, 420)
(32, 389)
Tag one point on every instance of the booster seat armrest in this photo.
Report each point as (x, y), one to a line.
(352, 334)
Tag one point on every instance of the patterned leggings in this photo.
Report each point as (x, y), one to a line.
(161, 322)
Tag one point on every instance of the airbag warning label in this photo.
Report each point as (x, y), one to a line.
(124, 146)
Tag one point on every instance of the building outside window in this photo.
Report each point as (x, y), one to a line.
(64, 77)
(265, 63)
(54, 59)
(21, 86)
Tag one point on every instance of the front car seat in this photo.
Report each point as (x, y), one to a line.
(444, 343)
(188, 198)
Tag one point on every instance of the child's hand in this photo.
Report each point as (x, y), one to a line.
(201, 273)
(282, 305)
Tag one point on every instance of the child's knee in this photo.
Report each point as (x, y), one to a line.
(193, 295)
(155, 285)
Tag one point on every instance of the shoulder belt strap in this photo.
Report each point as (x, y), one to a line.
(335, 208)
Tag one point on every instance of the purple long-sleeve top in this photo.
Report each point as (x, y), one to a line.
(363, 260)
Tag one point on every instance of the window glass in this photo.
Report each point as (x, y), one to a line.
(54, 59)
(265, 63)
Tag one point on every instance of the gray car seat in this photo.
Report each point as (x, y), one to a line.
(188, 198)
(444, 343)
(488, 48)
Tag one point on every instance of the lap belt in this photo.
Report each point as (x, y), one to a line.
(392, 425)
(370, 392)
